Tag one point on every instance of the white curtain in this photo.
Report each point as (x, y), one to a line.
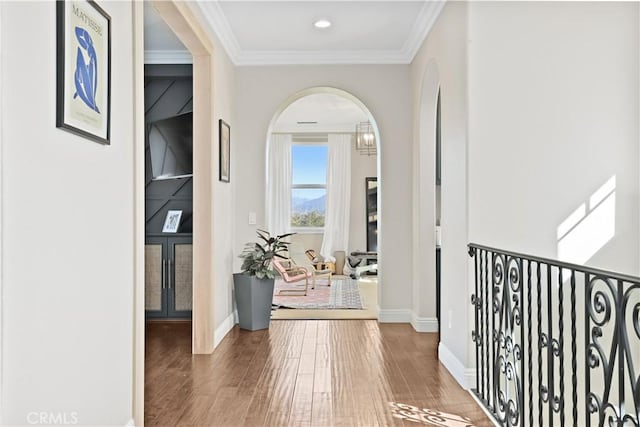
(278, 203)
(336, 222)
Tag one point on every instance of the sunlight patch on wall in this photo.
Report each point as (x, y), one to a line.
(428, 416)
(591, 226)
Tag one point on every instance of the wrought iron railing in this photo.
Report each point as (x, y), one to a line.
(556, 343)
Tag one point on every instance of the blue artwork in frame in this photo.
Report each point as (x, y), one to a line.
(83, 69)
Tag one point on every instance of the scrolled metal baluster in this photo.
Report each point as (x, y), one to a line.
(494, 334)
(632, 418)
(488, 343)
(550, 361)
(621, 346)
(603, 309)
(560, 398)
(574, 351)
(541, 387)
(529, 344)
(587, 340)
(476, 308)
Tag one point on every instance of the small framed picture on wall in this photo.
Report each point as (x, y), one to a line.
(172, 221)
(225, 151)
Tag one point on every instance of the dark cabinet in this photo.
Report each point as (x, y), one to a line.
(168, 276)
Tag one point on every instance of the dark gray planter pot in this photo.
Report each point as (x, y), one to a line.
(253, 300)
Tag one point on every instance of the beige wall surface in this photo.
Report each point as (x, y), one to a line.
(68, 234)
(262, 90)
(225, 193)
(441, 62)
(553, 117)
(544, 118)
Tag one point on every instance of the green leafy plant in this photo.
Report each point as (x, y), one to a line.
(257, 256)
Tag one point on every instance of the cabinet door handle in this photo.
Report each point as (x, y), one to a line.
(169, 275)
(164, 265)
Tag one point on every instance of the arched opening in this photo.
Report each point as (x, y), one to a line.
(315, 133)
(426, 210)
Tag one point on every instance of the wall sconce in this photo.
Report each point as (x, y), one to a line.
(365, 139)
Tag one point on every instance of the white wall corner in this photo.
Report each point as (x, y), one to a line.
(466, 377)
(424, 23)
(401, 315)
(218, 24)
(224, 328)
(424, 324)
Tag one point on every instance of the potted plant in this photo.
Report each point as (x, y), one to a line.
(254, 285)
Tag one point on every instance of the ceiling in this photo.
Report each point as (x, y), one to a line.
(161, 45)
(282, 32)
(332, 113)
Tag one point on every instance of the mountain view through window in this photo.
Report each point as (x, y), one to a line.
(309, 185)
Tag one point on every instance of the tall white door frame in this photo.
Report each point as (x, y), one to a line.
(180, 18)
(1, 217)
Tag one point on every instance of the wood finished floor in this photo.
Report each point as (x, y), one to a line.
(300, 373)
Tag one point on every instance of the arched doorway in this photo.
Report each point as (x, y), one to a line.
(369, 118)
(425, 194)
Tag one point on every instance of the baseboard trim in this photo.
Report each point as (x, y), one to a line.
(424, 324)
(466, 377)
(224, 328)
(489, 415)
(401, 315)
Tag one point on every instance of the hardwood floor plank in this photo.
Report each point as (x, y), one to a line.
(302, 401)
(300, 373)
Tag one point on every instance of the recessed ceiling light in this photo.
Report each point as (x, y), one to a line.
(322, 23)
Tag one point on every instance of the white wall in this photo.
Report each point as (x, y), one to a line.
(385, 91)
(225, 193)
(67, 209)
(553, 101)
(441, 62)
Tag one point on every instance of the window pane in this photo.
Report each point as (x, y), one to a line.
(308, 207)
(309, 164)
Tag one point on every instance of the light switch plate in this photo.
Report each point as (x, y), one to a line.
(252, 218)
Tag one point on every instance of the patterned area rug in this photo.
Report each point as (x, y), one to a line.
(343, 293)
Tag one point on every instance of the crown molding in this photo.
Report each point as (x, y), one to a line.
(329, 57)
(167, 57)
(219, 25)
(422, 27)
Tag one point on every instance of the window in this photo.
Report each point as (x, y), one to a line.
(309, 185)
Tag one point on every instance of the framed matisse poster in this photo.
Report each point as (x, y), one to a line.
(83, 69)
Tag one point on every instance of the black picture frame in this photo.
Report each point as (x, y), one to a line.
(371, 206)
(224, 133)
(83, 90)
